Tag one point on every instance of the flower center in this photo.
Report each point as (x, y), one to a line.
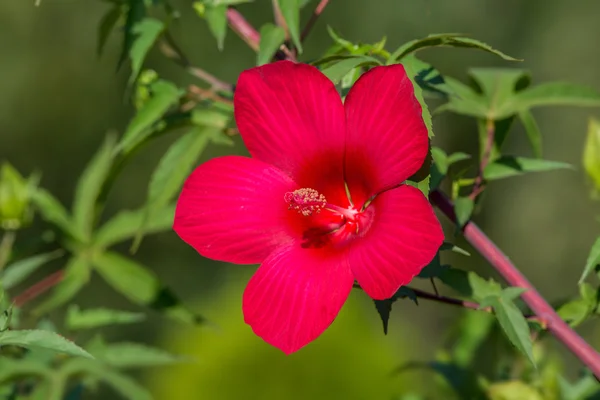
(337, 225)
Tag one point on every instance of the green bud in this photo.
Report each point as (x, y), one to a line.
(591, 154)
(15, 197)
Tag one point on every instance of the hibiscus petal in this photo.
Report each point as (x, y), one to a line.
(290, 115)
(387, 139)
(404, 237)
(295, 295)
(232, 209)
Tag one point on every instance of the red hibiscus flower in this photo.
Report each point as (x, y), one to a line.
(321, 202)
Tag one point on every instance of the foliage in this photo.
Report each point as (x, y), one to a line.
(37, 362)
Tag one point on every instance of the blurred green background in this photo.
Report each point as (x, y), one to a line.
(58, 99)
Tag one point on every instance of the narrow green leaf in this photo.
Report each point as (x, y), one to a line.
(433, 269)
(463, 100)
(591, 153)
(271, 37)
(384, 307)
(147, 32)
(216, 17)
(411, 67)
(42, 339)
(136, 11)
(89, 186)
(440, 158)
(76, 275)
(592, 260)
(176, 165)
(121, 383)
(463, 208)
(18, 271)
(107, 25)
(575, 311)
(54, 212)
(507, 166)
(165, 95)
(498, 86)
(134, 355)
(454, 248)
(213, 118)
(513, 323)
(12, 368)
(290, 9)
(556, 93)
(533, 132)
(126, 225)
(172, 170)
(337, 38)
(444, 40)
(338, 70)
(458, 280)
(457, 157)
(141, 286)
(78, 319)
(585, 388)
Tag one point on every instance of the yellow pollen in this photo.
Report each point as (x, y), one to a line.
(306, 201)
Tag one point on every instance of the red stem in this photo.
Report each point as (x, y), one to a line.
(563, 332)
(313, 18)
(39, 288)
(243, 28)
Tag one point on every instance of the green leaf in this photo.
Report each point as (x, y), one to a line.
(457, 157)
(13, 368)
(454, 248)
(444, 40)
(512, 321)
(335, 72)
(441, 159)
(165, 95)
(533, 132)
(463, 100)
(18, 271)
(141, 286)
(482, 288)
(586, 388)
(210, 118)
(507, 166)
(591, 153)
(463, 208)
(384, 307)
(458, 280)
(290, 9)
(337, 38)
(172, 170)
(54, 212)
(107, 25)
(77, 319)
(89, 187)
(498, 86)
(513, 390)
(134, 355)
(411, 68)
(556, 93)
(136, 11)
(216, 17)
(575, 311)
(147, 32)
(592, 260)
(433, 269)
(42, 339)
(122, 384)
(271, 37)
(127, 224)
(76, 275)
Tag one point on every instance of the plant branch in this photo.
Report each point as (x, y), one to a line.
(170, 49)
(279, 20)
(238, 23)
(313, 18)
(39, 288)
(544, 311)
(485, 159)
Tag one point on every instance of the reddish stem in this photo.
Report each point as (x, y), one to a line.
(243, 28)
(313, 18)
(563, 332)
(39, 288)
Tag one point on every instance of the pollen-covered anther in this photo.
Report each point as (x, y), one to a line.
(306, 201)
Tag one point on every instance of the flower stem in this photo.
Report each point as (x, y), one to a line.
(238, 23)
(544, 311)
(485, 159)
(39, 288)
(313, 18)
